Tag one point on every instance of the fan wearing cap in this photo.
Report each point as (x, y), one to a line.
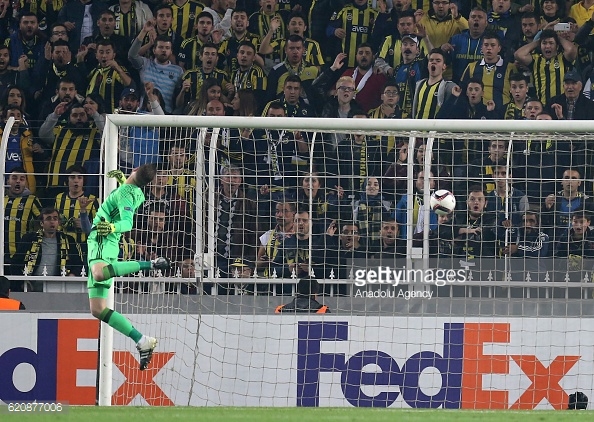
(241, 268)
(573, 104)
(305, 299)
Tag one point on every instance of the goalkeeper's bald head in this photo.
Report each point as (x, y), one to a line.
(145, 174)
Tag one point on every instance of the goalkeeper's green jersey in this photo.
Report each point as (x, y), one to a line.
(120, 206)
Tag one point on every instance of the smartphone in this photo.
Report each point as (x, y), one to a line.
(562, 27)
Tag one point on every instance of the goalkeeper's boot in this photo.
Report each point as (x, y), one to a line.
(145, 348)
(161, 263)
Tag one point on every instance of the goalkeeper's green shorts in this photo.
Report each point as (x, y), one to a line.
(105, 249)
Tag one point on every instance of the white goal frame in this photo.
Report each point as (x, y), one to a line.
(427, 127)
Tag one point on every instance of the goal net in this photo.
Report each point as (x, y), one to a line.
(486, 307)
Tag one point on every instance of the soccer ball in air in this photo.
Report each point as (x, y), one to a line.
(443, 202)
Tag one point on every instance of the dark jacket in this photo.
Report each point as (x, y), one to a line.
(74, 12)
(303, 305)
(584, 108)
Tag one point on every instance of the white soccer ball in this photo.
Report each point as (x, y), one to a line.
(443, 202)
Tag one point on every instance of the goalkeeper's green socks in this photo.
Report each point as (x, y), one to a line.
(120, 323)
(124, 268)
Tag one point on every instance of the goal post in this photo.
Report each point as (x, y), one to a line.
(221, 342)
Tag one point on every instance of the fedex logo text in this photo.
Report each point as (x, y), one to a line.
(462, 365)
(58, 359)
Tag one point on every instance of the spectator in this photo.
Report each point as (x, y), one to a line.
(389, 61)
(47, 252)
(210, 90)
(532, 108)
(342, 104)
(572, 104)
(249, 75)
(465, 47)
(57, 32)
(557, 208)
(21, 209)
(260, 21)
(130, 17)
(105, 30)
(297, 26)
(6, 303)
(505, 199)
(369, 210)
(221, 11)
(492, 70)
(470, 106)
(108, 79)
(21, 150)
(351, 27)
(431, 93)
(192, 48)
(529, 241)
(155, 70)
(192, 80)
(244, 103)
(549, 58)
(297, 252)
(235, 222)
(305, 299)
(272, 240)
(74, 206)
(185, 14)
(577, 242)
(518, 85)
(180, 177)
(388, 109)
(388, 247)
(479, 171)
(396, 174)
(78, 142)
(294, 64)
(141, 144)
(10, 77)
(66, 92)
(26, 44)
(473, 231)
(551, 11)
(581, 12)
(505, 17)
(50, 69)
(443, 22)
(342, 251)
(368, 84)
(401, 212)
(163, 26)
(239, 34)
(324, 203)
(94, 104)
(78, 16)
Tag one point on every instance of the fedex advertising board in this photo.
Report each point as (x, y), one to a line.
(517, 363)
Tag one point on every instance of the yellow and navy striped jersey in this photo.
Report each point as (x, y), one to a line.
(71, 146)
(184, 17)
(70, 209)
(126, 23)
(230, 46)
(427, 106)
(189, 53)
(107, 83)
(378, 113)
(254, 78)
(495, 78)
(20, 214)
(312, 53)
(306, 72)
(197, 77)
(185, 185)
(425, 5)
(259, 23)
(512, 112)
(547, 75)
(391, 50)
(357, 24)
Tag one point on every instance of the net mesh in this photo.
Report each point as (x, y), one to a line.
(484, 284)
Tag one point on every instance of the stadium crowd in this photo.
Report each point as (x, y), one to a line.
(65, 64)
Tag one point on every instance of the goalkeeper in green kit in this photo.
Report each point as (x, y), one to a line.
(115, 216)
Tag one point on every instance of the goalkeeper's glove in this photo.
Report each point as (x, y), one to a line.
(104, 228)
(118, 175)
